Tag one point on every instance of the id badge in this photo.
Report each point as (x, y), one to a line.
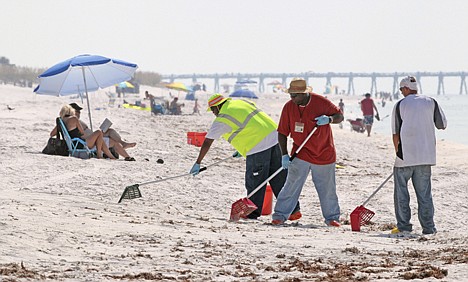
(299, 127)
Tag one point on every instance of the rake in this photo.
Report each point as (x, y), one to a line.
(361, 215)
(133, 191)
(243, 207)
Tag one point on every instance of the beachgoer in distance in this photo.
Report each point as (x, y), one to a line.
(300, 115)
(75, 130)
(253, 134)
(175, 108)
(367, 108)
(341, 106)
(196, 107)
(148, 96)
(413, 121)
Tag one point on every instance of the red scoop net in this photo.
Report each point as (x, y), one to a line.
(242, 208)
(360, 216)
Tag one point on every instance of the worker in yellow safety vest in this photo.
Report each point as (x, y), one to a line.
(253, 134)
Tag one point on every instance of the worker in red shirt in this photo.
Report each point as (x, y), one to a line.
(367, 108)
(300, 115)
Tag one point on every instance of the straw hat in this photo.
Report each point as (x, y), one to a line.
(298, 85)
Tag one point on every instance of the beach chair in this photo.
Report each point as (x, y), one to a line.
(76, 146)
(112, 97)
(157, 107)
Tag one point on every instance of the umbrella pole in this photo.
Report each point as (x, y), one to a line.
(87, 99)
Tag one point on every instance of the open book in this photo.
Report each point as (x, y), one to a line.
(105, 125)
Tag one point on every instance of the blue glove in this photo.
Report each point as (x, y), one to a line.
(195, 169)
(285, 161)
(236, 155)
(323, 120)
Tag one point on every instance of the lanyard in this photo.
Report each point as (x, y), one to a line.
(300, 112)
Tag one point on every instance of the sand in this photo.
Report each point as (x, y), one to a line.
(60, 220)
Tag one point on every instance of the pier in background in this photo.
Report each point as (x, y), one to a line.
(328, 76)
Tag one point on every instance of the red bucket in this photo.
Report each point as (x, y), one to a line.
(196, 138)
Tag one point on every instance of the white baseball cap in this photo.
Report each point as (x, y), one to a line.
(409, 82)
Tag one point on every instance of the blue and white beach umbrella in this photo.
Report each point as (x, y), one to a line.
(84, 73)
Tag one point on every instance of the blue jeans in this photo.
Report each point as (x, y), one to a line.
(259, 167)
(323, 177)
(420, 175)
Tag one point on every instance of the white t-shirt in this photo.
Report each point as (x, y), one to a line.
(415, 123)
(218, 129)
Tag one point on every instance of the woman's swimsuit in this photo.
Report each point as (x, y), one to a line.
(75, 133)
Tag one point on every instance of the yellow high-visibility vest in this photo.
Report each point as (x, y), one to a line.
(249, 124)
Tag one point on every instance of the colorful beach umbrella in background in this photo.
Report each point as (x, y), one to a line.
(244, 93)
(125, 84)
(179, 86)
(276, 86)
(246, 81)
(274, 82)
(84, 73)
(162, 84)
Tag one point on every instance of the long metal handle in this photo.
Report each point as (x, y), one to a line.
(264, 182)
(377, 190)
(185, 174)
(303, 143)
(281, 168)
(384, 117)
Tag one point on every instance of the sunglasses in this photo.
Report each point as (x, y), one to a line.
(293, 95)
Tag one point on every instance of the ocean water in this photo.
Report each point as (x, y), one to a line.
(455, 108)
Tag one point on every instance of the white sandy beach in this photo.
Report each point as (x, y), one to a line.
(60, 220)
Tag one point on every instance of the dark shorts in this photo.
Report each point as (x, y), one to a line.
(368, 120)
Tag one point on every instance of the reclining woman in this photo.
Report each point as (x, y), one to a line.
(115, 140)
(75, 130)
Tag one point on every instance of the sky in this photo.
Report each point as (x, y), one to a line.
(255, 36)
